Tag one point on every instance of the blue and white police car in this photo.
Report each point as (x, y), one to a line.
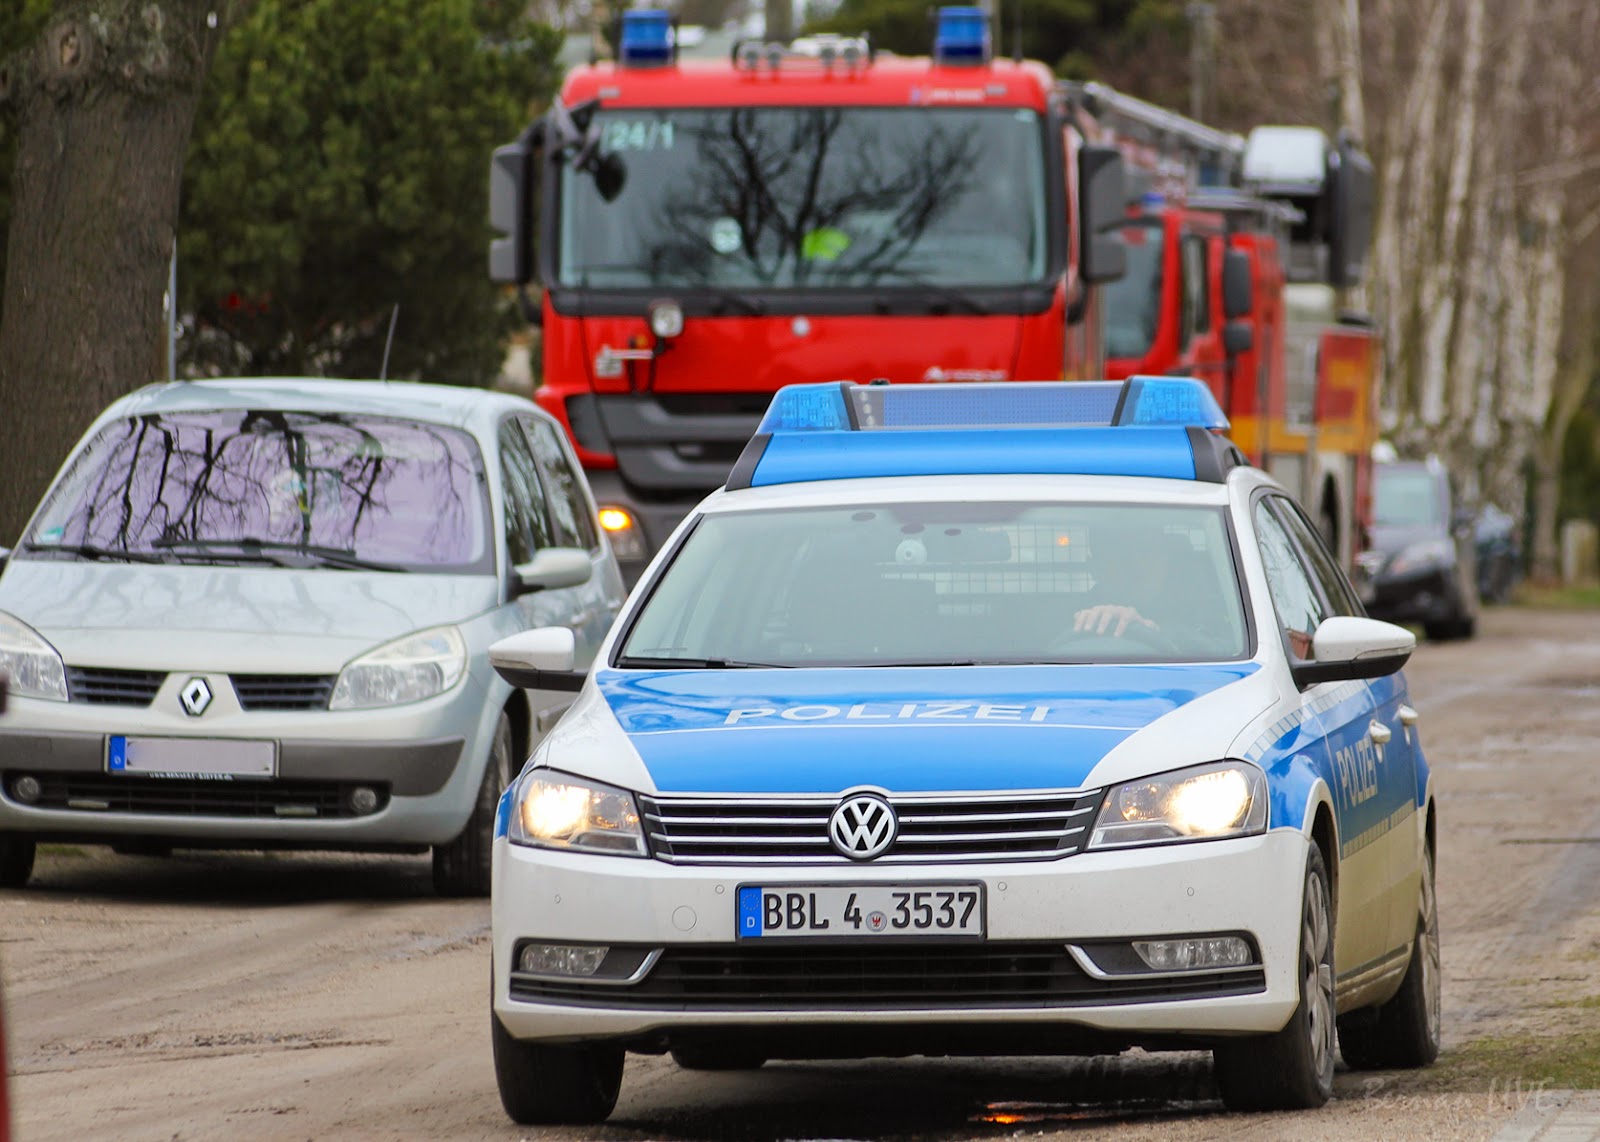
(971, 720)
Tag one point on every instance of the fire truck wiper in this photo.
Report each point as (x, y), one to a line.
(950, 295)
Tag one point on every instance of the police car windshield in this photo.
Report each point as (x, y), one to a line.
(798, 197)
(944, 584)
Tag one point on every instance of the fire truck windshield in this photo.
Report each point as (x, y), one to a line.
(1133, 302)
(811, 197)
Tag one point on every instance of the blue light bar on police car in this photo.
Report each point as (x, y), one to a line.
(647, 39)
(961, 36)
(1179, 402)
(1145, 426)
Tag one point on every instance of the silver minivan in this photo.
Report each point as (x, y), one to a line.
(256, 614)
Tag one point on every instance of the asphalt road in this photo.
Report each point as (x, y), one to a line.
(208, 996)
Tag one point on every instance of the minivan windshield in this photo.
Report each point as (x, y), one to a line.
(276, 488)
(943, 584)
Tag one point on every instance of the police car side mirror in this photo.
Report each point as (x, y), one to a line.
(541, 659)
(1347, 647)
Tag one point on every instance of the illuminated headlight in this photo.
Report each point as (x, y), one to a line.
(1423, 556)
(406, 670)
(32, 664)
(1205, 802)
(666, 319)
(620, 526)
(558, 811)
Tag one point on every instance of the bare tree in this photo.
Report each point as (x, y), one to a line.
(102, 102)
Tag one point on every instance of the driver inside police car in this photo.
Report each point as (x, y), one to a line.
(1138, 583)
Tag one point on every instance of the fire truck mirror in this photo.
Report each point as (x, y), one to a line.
(1237, 292)
(513, 209)
(1350, 227)
(1102, 209)
(1238, 337)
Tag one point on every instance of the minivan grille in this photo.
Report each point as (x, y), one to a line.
(932, 828)
(283, 691)
(106, 687)
(194, 797)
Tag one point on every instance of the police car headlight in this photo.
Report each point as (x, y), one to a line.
(1204, 802)
(559, 811)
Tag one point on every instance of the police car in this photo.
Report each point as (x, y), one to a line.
(970, 720)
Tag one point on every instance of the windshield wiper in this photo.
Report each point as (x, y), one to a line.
(949, 294)
(90, 551)
(647, 663)
(272, 551)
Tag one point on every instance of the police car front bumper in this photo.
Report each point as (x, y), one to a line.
(1052, 928)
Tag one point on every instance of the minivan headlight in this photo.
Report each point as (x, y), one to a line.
(559, 811)
(1203, 802)
(408, 669)
(1423, 556)
(32, 664)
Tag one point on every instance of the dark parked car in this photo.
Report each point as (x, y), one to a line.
(1420, 566)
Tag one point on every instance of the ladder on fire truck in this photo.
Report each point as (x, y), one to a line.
(1174, 155)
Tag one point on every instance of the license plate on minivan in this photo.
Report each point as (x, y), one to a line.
(222, 759)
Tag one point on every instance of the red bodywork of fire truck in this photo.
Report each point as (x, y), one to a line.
(774, 218)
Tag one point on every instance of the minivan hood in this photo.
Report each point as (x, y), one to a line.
(91, 612)
(904, 729)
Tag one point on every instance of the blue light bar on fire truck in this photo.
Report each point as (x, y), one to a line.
(961, 36)
(647, 39)
(1145, 426)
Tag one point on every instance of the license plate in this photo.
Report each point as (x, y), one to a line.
(823, 911)
(222, 759)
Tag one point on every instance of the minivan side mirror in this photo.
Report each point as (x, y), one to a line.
(540, 659)
(1238, 337)
(1347, 647)
(550, 569)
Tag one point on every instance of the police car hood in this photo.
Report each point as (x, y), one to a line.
(902, 729)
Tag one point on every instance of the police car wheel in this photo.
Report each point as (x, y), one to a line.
(462, 867)
(1292, 1069)
(542, 1085)
(716, 1057)
(16, 861)
(1404, 1032)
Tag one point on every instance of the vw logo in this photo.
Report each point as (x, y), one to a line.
(195, 696)
(863, 826)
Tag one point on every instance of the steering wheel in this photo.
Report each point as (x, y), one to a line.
(1081, 641)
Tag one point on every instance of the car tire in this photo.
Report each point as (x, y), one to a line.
(717, 1057)
(462, 867)
(16, 861)
(546, 1086)
(1460, 627)
(1404, 1031)
(1292, 1069)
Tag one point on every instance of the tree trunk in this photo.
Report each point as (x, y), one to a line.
(103, 105)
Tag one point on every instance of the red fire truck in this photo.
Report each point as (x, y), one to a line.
(1236, 249)
(700, 233)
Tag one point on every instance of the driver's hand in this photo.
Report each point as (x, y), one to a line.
(1105, 618)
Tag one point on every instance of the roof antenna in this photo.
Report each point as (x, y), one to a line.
(383, 373)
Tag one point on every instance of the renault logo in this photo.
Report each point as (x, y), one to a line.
(195, 696)
(862, 827)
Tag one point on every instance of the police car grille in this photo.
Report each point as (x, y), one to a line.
(932, 829)
(856, 977)
(283, 691)
(102, 686)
